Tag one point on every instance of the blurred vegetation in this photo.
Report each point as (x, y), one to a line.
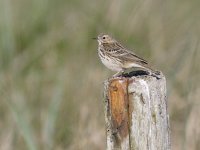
(51, 77)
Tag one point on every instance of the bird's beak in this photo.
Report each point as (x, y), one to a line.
(94, 38)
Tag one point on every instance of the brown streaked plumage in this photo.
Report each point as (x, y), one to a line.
(117, 58)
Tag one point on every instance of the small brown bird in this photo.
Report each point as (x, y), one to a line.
(117, 58)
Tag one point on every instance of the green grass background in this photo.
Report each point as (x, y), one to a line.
(51, 80)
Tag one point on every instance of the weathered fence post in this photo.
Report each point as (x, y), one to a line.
(136, 113)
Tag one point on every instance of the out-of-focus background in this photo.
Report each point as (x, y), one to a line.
(51, 79)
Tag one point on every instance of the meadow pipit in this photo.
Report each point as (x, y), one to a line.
(117, 58)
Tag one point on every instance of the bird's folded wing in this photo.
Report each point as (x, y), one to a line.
(118, 51)
(128, 56)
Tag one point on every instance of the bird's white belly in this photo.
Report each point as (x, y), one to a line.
(132, 65)
(111, 64)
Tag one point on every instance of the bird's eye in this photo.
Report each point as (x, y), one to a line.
(104, 37)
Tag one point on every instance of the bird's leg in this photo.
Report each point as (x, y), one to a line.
(118, 73)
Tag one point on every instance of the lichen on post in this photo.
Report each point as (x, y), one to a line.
(136, 113)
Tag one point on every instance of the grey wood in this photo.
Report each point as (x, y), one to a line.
(136, 113)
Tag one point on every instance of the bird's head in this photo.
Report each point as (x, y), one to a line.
(105, 39)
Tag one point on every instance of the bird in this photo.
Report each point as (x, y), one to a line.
(118, 58)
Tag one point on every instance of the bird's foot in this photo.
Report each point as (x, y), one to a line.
(118, 74)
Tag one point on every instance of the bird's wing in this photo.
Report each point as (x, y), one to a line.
(130, 56)
(118, 51)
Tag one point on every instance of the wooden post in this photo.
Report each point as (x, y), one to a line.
(136, 113)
